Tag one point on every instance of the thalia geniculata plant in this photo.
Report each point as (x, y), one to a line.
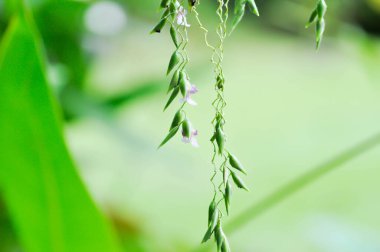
(226, 166)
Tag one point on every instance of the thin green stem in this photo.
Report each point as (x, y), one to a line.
(302, 181)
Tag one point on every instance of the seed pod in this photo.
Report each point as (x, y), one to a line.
(159, 26)
(177, 120)
(227, 196)
(172, 97)
(174, 60)
(173, 34)
(186, 128)
(220, 139)
(234, 162)
(321, 9)
(164, 3)
(174, 81)
(252, 6)
(182, 83)
(212, 225)
(211, 210)
(238, 181)
(312, 18)
(171, 134)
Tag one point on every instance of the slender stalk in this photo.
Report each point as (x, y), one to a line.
(302, 181)
(299, 183)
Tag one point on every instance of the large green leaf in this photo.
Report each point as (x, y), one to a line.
(48, 204)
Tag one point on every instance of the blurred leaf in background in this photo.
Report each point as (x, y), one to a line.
(47, 202)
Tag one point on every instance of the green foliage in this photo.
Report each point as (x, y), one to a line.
(48, 204)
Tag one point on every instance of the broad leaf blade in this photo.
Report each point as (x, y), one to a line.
(48, 204)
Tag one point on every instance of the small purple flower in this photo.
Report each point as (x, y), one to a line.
(190, 90)
(191, 139)
(181, 16)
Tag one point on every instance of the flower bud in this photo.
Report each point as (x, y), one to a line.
(235, 163)
(174, 60)
(177, 120)
(186, 128)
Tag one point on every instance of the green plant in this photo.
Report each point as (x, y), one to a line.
(228, 165)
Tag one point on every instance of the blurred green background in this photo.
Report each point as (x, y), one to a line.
(290, 109)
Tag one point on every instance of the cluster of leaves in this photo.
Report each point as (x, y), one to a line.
(228, 165)
(175, 15)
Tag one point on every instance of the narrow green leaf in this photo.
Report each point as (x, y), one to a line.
(159, 26)
(312, 18)
(174, 60)
(238, 181)
(174, 81)
(320, 29)
(164, 3)
(212, 225)
(237, 18)
(253, 8)
(321, 9)
(235, 163)
(177, 120)
(172, 97)
(182, 83)
(173, 34)
(225, 246)
(211, 210)
(220, 139)
(45, 197)
(227, 196)
(171, 134)
(219, 236)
